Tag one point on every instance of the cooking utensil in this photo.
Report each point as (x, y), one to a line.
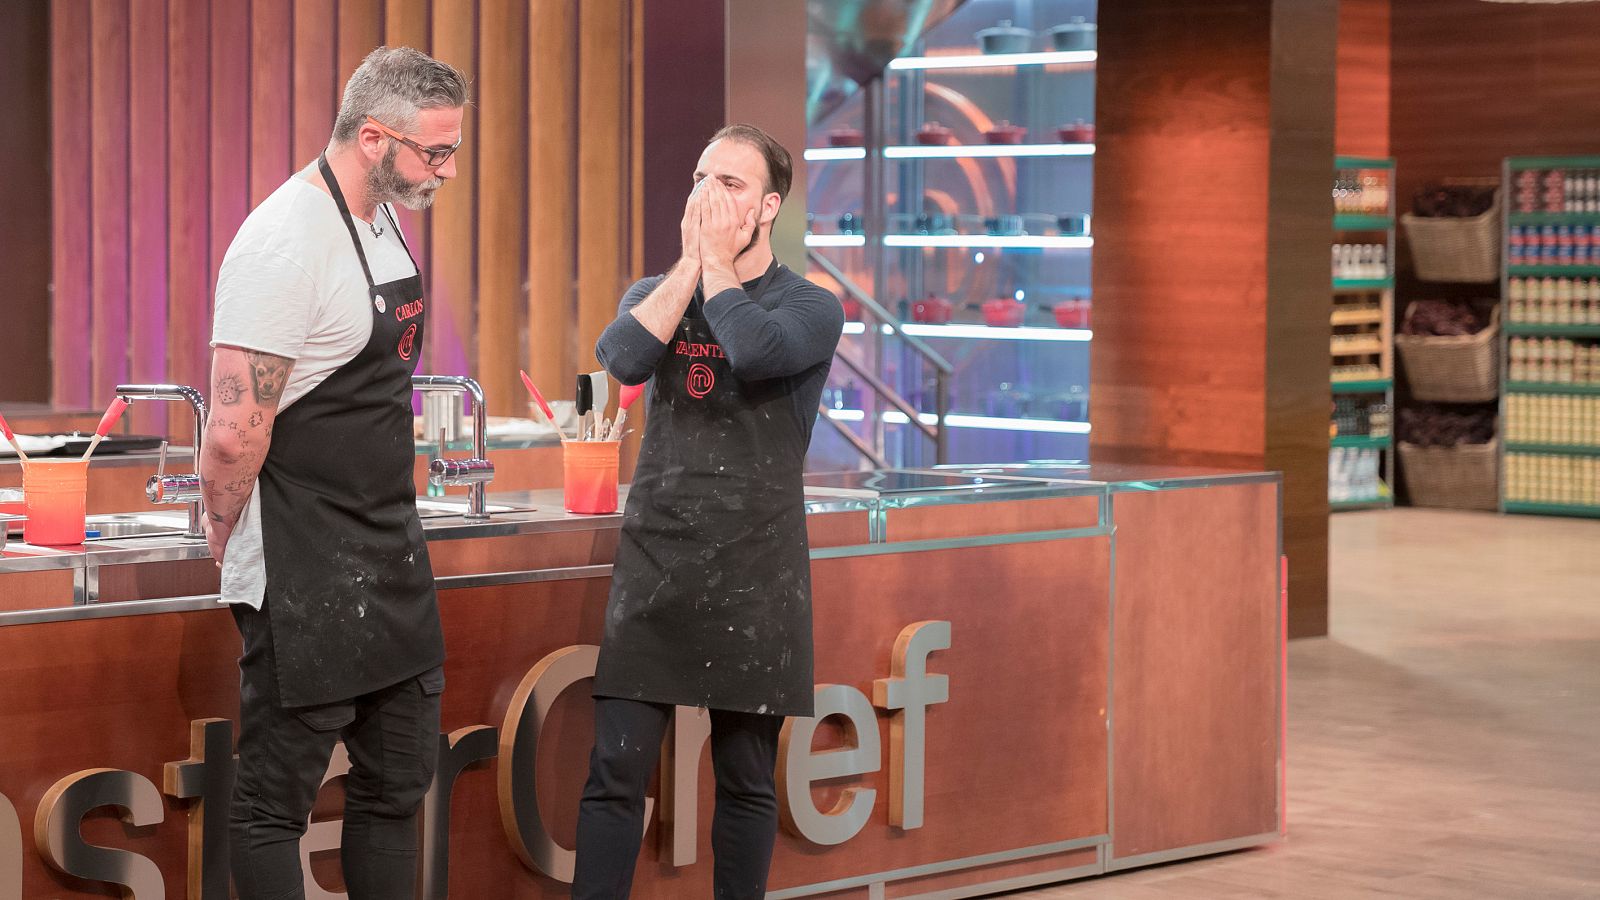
(1077, 132)
(13, 439)
(934, 134)
(1003, 313)
(107, 422)
(602, 397)
(543, 406)
(932, 310)
(625, 399)
(584, 400)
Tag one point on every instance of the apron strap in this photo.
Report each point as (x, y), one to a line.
(349, 223)
(388, 210)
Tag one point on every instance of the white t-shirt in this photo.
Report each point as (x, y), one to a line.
(291, 285)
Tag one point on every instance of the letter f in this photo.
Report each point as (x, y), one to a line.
(911, 691)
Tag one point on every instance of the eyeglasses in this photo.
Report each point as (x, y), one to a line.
(433, 157)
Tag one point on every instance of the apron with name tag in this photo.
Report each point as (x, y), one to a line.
(711, 591)
(350, 591)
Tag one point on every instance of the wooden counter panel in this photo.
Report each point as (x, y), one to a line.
(840, 529)
(1197, 667)
(523, 552)
(185, 578)
(920, 523)
(35, 590)
(117, 693)
(912, 888)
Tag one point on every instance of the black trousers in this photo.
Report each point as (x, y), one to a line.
(392, 736)
(627, 746)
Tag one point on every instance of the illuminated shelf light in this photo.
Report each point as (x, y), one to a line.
(993, 423)
(982, 332)
(1002, 241)
(993, 60)
(986, 151)
(824, 154)
(836, 240)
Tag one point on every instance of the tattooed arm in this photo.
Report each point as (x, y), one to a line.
(245, 388)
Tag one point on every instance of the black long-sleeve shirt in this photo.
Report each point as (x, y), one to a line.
(791, 332)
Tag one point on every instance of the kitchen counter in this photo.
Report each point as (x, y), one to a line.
(1014, 653)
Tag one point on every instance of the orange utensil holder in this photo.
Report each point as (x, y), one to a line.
(55, 492)
(589, 476)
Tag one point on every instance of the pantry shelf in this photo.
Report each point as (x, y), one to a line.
(1554, 449)
(1368, 386)
(1542, 330)
(1552, 509)
(1552, 162)
(1362, 441)
(1352, 222)
(1369, 347)
(1369, 503)
(1542, 271)
(1553, 219)
(1357, 316)
(1363, 284)
(1534, 387)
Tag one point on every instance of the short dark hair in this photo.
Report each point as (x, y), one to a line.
(780, 166)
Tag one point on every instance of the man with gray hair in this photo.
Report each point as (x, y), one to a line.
(307, 471)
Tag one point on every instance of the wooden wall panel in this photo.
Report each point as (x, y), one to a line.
(189, 265)
(603, 29)
(108, 160)
(229, 99)
(25, 204)
(452, 275)
(316, 23)
(552, 191)
(70, 333)
(502, 209)
(1362, 106)
(147, 204)
(1474, 83)
(271, 92)
(1210, 275)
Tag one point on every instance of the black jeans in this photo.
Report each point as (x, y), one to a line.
(392, 736)
(627, 745)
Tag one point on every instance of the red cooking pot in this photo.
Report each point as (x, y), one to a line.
(1079, 132)
(852, 308)
(935, 134)
(1005, 133)
(932, 310)
(1072, 313)
(1003, 312)
(847, 137)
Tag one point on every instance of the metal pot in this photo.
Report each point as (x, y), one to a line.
(1074, 34)
(1004, 38)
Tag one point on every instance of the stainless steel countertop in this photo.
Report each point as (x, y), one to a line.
(534, 512)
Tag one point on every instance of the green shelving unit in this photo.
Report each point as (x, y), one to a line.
(1363, 308)
(1531, 329)
(1362, 441)
(1363, 284)
(1554, 449)
(1351, 222)
(1533, 387)
(1551, 509)
(1552, 271)
(1517, 458)
(1373, 386)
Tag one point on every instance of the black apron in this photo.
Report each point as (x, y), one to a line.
(350, 591)
(711, 592)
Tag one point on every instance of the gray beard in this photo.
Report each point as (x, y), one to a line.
(385, 184)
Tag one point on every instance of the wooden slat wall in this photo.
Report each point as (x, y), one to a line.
(1210, 280)
(1362, 105)
(171, 119)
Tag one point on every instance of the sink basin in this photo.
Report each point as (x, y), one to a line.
(434, 507)
(129, 525)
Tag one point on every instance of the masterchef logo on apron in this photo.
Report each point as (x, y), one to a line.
(701, 380)
(408, 342)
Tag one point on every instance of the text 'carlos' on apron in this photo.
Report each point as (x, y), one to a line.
(350, 590)
(711, 592)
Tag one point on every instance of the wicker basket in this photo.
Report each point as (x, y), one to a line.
(1454, 368)
(1462, 477)
(1455, 249)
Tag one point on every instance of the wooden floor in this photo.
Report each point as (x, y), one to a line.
(1444, 741)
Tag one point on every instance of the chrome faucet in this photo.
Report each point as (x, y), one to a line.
(164, 488)
(477, 471)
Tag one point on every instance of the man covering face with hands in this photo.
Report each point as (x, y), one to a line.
(711, 593)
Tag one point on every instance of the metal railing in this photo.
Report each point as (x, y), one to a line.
(936, 431)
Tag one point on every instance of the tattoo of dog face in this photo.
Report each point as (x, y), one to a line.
(267, 375)
(230, 390)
